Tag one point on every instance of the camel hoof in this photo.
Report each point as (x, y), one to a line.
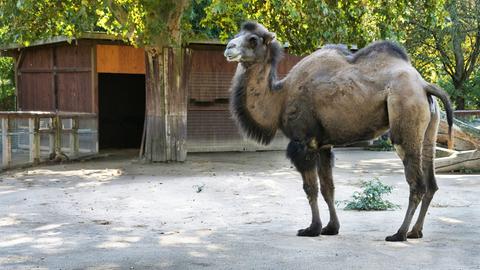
(329, 230)
(313, 230)
(415, 234)
(396, 237)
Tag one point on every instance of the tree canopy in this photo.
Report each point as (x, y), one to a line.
(442, 36)
(141, 22)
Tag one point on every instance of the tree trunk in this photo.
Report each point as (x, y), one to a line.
(459, 102)
(459, 93)
(165, 131)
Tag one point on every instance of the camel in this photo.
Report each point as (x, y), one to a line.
(333, 98)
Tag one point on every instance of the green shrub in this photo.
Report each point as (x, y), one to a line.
(7, 84)
(371, 197)
(382, 144)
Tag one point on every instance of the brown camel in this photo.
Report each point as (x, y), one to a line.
(333, 97)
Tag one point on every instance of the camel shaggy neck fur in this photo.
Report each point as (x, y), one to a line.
(333, 97)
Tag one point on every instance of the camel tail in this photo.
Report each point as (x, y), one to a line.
(443, 96)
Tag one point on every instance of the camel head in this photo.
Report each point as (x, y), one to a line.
(252, 45)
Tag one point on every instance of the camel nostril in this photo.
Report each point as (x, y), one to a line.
(231, 45)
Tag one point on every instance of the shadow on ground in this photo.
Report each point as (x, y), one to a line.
(222, 211)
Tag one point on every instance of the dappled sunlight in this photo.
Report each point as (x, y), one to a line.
(9, 220)
(121, 229)
(13, 259)
(182, 238)
(50, 233)
(397, 244)
(10, 191)
(50, 227)
(197, 254)
(5, 192)
(177, 239)
(213, 247)
(15, 239)
(48, 243)
(117, 241)
(107, 266)
(382, 161)
(99, 175)
(450, 220)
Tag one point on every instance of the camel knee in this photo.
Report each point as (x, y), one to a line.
(311, 191)
(417, 191)
(303, 157)
(327, 190)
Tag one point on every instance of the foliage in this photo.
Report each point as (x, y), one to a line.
(307, 25)
(141, 22)
(24, 21)
(470, 93)
(371, 197)
(192, 27)
(7, 84)
(446, 40)
(382, 144)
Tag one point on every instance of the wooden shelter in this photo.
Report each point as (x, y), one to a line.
(99, 74)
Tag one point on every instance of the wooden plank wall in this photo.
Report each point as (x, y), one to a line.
(120, 59)
(210, 126)
(56, 77)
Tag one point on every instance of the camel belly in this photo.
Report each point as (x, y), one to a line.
(352, 124)
(339, 109)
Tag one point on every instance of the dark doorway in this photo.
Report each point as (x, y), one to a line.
(121, 99)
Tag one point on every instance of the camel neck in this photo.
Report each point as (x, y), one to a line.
(257, 101)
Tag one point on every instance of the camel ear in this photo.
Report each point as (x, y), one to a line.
(269, 37)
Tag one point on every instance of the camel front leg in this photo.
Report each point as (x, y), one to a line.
(325, 164)
(310, 186)
(304, 156)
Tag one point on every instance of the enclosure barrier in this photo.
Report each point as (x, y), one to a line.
(30, 137)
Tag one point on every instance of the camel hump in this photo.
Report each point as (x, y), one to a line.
(341, 48)
(389, 47)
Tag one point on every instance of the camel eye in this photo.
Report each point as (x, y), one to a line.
(253, 41)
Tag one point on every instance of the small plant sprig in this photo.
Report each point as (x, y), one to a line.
(370, 199)
(382, 144)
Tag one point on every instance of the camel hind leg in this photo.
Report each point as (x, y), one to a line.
(428, 157)
(408, 123)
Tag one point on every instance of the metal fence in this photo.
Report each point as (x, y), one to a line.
(33, 137)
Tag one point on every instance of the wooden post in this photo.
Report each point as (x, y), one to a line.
(57, 131)
(74, 140)
(6, 143)
(51, 137)
(34, 134)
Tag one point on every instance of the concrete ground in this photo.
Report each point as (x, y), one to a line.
(223, 211)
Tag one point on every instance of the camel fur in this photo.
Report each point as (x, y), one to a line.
(332, 98)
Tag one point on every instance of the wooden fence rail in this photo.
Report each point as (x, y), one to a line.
(66, 134)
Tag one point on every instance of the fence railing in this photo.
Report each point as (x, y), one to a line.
(30, 137)
(471, 117)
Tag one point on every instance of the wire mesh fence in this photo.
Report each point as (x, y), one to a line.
(33, 137)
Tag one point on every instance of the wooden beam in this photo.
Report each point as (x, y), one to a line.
(464, 160)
